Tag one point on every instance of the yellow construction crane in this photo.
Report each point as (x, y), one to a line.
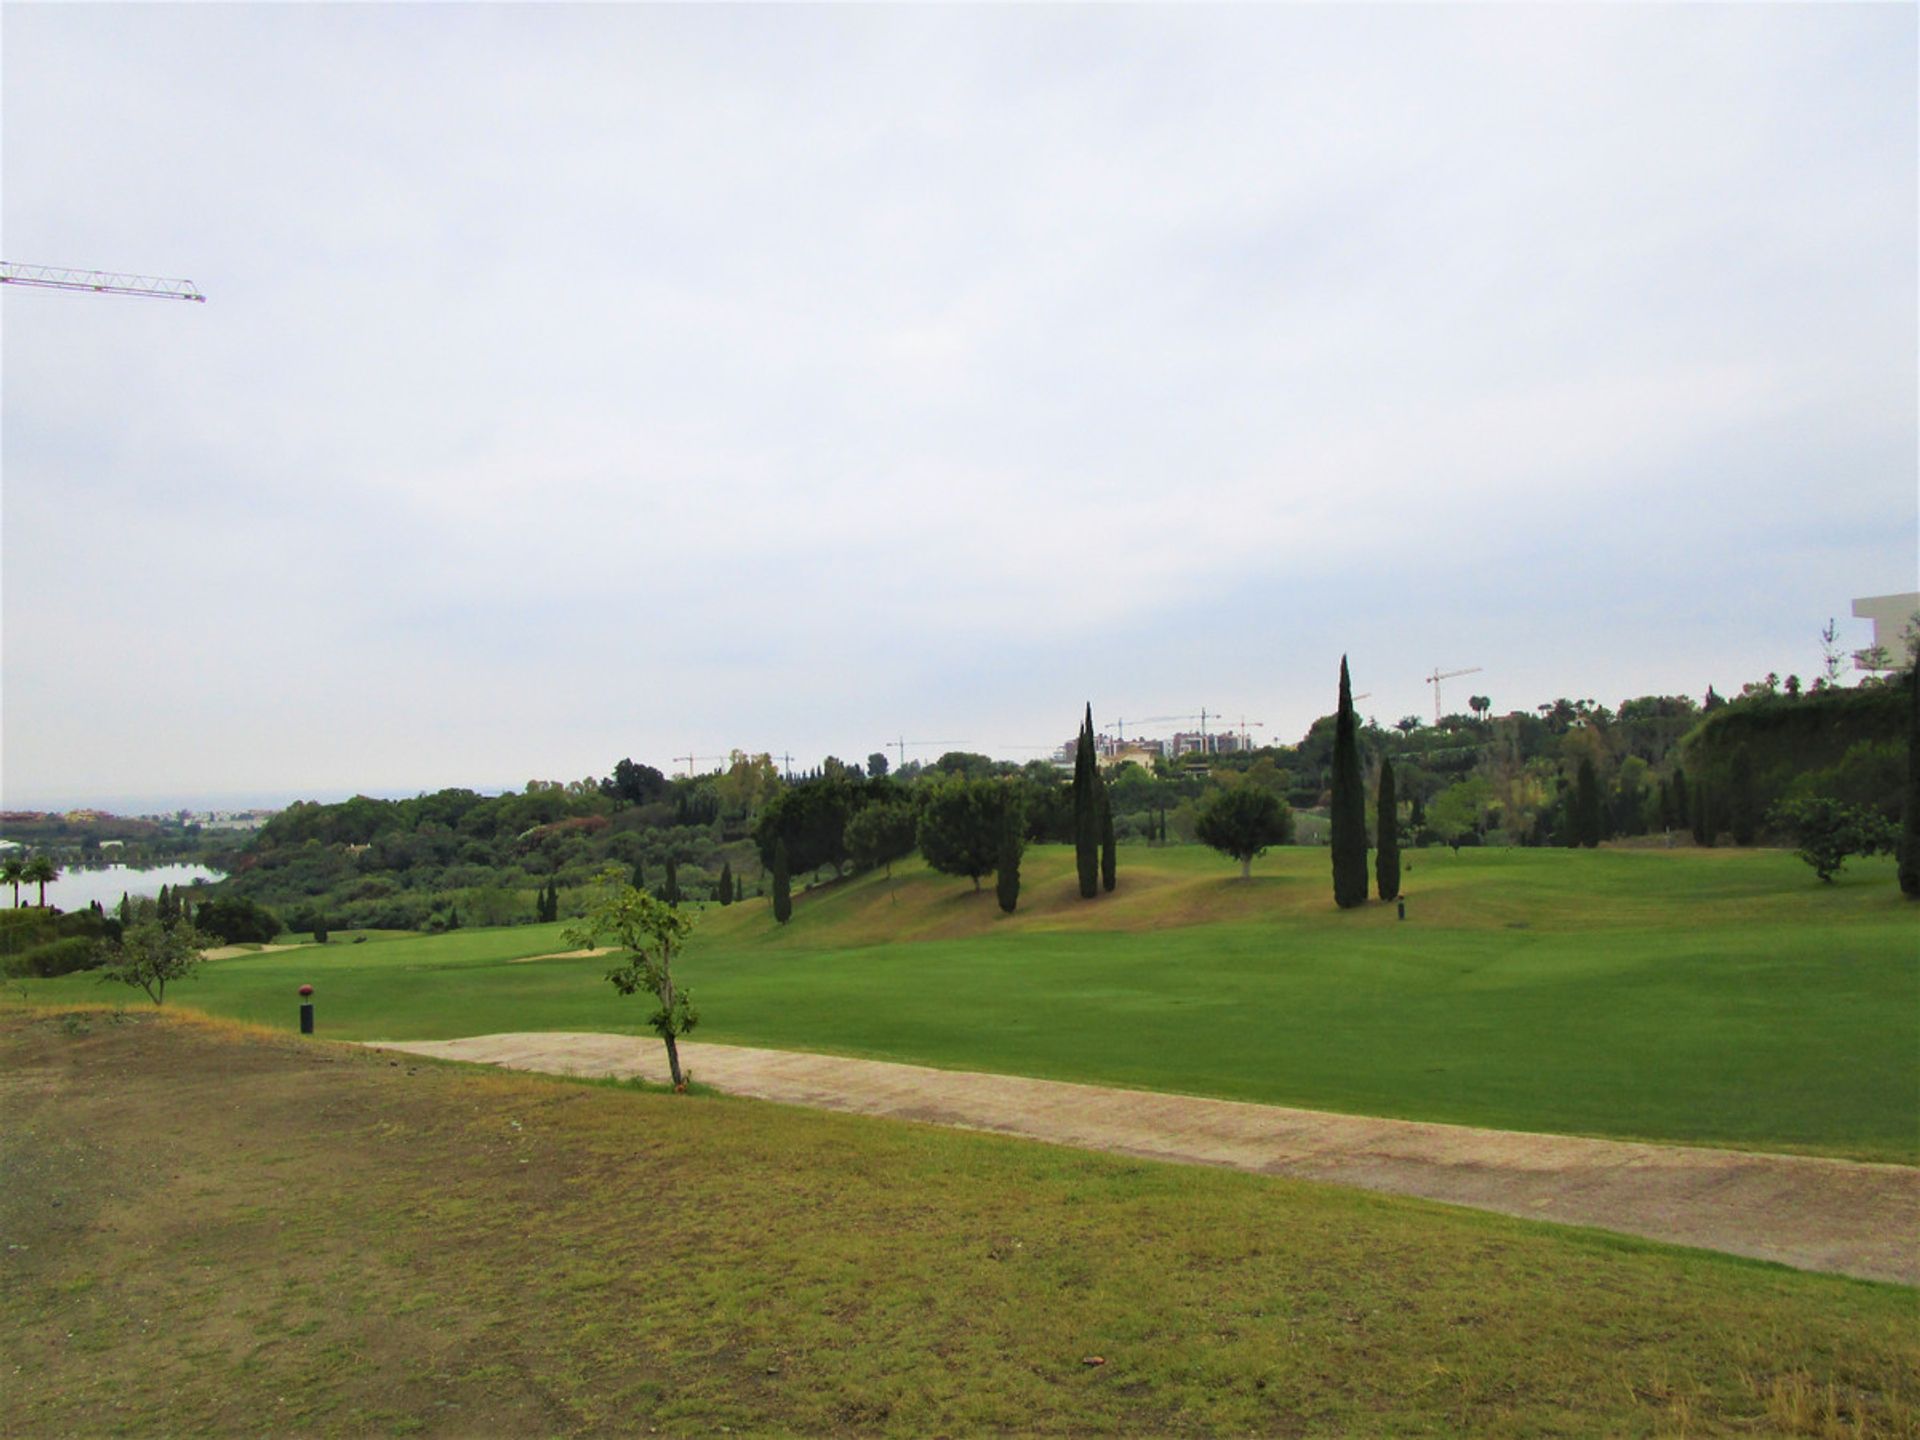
(100, 282)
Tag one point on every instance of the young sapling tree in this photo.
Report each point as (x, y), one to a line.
(150, 954)
(648, 932)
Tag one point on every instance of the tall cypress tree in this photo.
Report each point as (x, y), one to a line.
(1006, 877)
(1386, 855)
(782, 884)
(639, 875)
(1586, 804)
(672, 897)
(1704, 819)
(1349, 805)
(1682, 802)
(1743, 806)
(1910, 810)
(1086, 823)
(1109, 859)
(726, 882)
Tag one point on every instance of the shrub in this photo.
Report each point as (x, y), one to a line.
(1828, 831)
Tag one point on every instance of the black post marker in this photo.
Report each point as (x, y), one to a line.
(1403, 915)
(306, 1010)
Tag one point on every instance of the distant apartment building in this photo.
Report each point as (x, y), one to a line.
(1893, 618)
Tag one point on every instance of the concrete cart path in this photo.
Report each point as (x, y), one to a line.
(1816, 1214)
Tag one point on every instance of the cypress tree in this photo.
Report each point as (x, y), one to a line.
(1703, 816)
(1417, 819)
(639, 876)
(553, 900)
(1086, 822)
(672, 896)
(453, 918)
(1743, 817)
(126, 908)
(1910, 809)
(739, 889)
(782, 884)
(1666, 806)
(1349, 805)
(1109, 856)
(726, 882)
(1006, 878)
(1586, 804)
(1386, 855)
(1682, 802)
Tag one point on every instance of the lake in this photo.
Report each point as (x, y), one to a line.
(76, 889)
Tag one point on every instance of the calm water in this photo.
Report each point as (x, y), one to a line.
(76, 889)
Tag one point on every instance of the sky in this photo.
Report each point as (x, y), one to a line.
(587, 382)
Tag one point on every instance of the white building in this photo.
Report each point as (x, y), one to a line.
(1894, 618)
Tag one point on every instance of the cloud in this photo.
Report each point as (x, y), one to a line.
(587, 381)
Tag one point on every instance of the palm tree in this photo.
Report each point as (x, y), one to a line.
(12, 871)
(40, 869)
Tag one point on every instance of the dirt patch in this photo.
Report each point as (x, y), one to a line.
(1815, 1214)
(234, 952)
(564, 955)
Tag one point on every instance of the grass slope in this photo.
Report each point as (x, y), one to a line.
(1702, 996)
(215, 1232)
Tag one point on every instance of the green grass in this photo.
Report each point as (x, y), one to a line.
(1706, 997)
(216, 1232)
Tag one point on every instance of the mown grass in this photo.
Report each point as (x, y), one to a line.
(1714, 997)
(209, 1231)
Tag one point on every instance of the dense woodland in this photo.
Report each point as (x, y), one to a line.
(1662, 769)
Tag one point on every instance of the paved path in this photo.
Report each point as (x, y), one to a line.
(1835, 1215)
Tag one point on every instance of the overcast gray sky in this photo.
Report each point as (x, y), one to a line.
(587, 382)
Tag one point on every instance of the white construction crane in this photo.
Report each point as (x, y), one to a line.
(902, 743)
(100, 282)
(1437, 676)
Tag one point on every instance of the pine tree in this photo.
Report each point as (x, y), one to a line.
(726, 882)
(1006, 879)
(1086, 822)
(782, 884)
(1349, 805)
(1386, 855)
(1910, 810)
(1586, 804)
(1109, 857)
